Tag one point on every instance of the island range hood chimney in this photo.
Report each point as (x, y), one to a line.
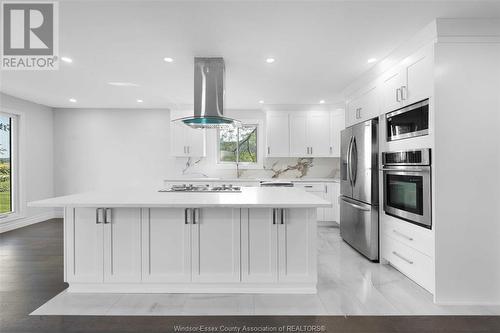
(209, 76)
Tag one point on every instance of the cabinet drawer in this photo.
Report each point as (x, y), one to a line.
(409, 234)
(311, 187)
(412, 263)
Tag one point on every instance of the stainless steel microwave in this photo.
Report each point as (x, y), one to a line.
(410, 121)
(407, 185)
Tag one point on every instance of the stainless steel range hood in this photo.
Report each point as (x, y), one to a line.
(209, 76)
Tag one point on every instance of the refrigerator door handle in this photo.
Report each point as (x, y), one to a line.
(349, 160)
(354, 171)
(355, 205)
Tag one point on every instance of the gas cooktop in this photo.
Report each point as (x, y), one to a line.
(203, 188)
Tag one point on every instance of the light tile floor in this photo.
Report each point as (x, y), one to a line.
(348, 285)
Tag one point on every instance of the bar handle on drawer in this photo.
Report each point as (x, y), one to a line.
(402, 235)
(196, 215)
(107, 215)
(274, 215)
(187, 216)
(99, 215)
(283, 217)
(403, 258)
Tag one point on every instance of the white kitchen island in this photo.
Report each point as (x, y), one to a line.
(262, 240)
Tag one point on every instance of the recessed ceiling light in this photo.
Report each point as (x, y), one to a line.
(270, 60)
(371, 60)
(67, 59)
(72, 100)
(167, 59)
(261, 102)
(322, 101)
(140, 101)
(123, 84)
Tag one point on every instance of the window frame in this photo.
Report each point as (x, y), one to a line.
(17, 166)
(242, 165)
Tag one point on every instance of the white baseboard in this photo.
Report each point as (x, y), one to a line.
(194, 288)
(23, 222)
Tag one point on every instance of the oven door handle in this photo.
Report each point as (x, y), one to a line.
(404, 170)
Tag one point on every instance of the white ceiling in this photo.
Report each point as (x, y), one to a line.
(320, 47)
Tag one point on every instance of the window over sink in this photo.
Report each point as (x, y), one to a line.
(238, 145)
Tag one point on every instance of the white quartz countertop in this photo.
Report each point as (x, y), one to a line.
(272, 197)
(243, 180)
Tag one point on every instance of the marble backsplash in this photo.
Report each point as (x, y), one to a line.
(272, 168)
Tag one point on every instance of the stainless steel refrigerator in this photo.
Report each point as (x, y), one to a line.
(359, 222)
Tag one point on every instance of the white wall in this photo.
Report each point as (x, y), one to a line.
(100, 148)
(36, 159)
(467, 173)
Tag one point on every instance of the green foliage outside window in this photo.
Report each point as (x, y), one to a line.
(238, 144)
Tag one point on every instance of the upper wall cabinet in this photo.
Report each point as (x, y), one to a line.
(304, 134)
(278, 132)
(363, 106)
(337, 124)
(309, 134)
(186, 141)
(407, 83)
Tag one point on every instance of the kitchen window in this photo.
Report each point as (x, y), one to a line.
(7, 164)
(238, 145)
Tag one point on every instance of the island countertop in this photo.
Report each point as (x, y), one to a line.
(271, 197)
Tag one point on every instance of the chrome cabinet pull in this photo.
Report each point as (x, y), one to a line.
(107, 215)
(402, 235)
(403, 95)
(274, 215)
(403, 258)
(268, 150)
(196, 215)
(283, 216)
(99, 215)
(187, 216)
(311, 150)
(189, 149)
(308, 186)
(397, 95)
(331, 150)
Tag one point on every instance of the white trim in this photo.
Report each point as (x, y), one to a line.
(193, 288)
(19, 189)
(23, 222)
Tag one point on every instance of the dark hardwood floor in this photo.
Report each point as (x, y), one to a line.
(31, 272)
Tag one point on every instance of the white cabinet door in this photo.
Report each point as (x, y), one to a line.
(337, 123)
(166, 246)
(351, 112)
(332, 195)
(419, 78)
(297, 246)
(318, 133)
(298, 134)
(277, 134)
(122, 245)
(196, 142)
(216, 245)
(391, 90)
(369, 104)
(84, 247)
(186, 141)
(259, 245)
(329, 212)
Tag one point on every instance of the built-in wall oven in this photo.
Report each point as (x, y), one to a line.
(407, 185)
(407, 122)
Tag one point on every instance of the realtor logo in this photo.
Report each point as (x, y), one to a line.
(30, 35)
